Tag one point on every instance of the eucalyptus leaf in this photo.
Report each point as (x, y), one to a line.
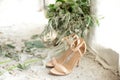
(13, 56)
(10, 46)
(34, 44)
(22, 66)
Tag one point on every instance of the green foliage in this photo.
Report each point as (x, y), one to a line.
(22, 66)
(13, 52)
(71, 16)
(10, 46)
(8, 50)
(34, 44)
(12, 55)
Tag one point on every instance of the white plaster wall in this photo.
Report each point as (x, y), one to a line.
(107, 34)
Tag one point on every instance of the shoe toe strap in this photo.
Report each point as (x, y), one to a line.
(60, 68)
(54, 61)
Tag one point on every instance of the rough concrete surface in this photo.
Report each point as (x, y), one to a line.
(87, 70)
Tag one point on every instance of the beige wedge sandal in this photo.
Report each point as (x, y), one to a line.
(61, 59)
(72, 60)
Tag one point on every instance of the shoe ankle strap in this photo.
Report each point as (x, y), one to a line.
(72, 36)
(77, 48)
(74, 44)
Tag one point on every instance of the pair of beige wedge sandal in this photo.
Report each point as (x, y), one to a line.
(70, 58)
